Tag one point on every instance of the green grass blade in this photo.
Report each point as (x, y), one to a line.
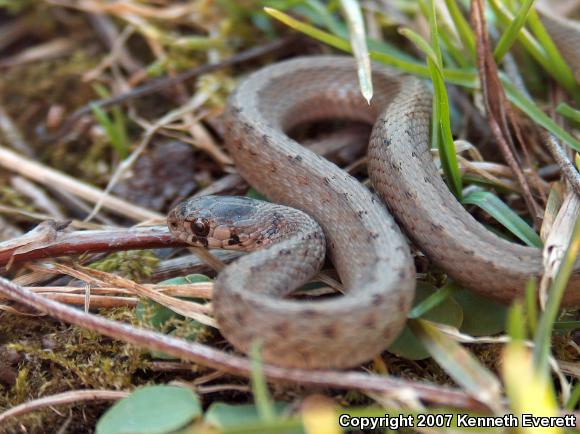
(574, 398)
(441, 115)
(564, 74)
(114, 130)
(556, 292)
(354, 20)
(510, 35)
(433, 30)
(466, 78)
(262, 397)
(568, 112)
(516, 323)
(451, 46)
(531, 109)
(421, 43)
(463, 28)
(567, 325)
(504, 215)
(531, 308)
(461, 77)
(535, 48)
(433, 300)
(459, 363)
(313, 32)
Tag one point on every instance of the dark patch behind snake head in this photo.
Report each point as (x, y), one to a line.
(229, 222)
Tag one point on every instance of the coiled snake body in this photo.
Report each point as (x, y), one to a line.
(367, 248)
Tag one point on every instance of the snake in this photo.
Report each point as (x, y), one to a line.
(316, 207)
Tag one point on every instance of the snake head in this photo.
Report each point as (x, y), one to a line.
(226, 222)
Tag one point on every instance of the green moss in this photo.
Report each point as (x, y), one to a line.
(133, 264)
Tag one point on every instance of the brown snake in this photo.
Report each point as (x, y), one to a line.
(365, 245)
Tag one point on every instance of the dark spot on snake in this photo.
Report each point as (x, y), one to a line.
(402, 274)
(436, 227)
(240, 318)
(326, 180)
(361, 213)
(387, 142)
(281, 330)
(402, 304)
(414, 154)
(378, 298)
(370, 322)
(284, 252)
(373, 236)
(233, 241)
(329, 331)
(259, 242)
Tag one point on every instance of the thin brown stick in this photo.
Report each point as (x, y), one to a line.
(566, 166)
(497, 106)
(236, 365)
(71, 397)
(76, 243)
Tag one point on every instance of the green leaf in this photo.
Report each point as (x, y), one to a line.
(447, 311)
(151, 410)
(481, 317)
(156, 315)
(221, 415)
(254, 194)
(493, 205)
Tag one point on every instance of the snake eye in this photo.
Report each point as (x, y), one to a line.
(200, 227)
